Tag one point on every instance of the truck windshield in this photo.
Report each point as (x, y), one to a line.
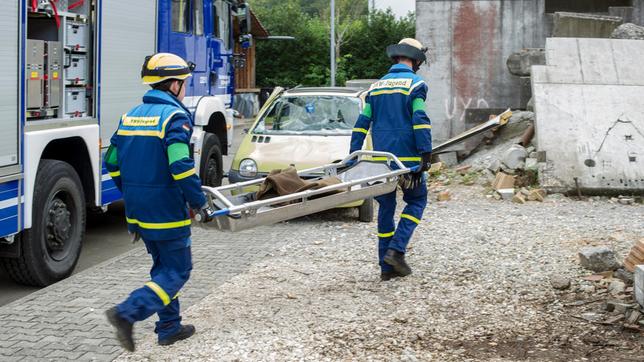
(325, 115)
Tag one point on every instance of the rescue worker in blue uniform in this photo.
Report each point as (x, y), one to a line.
(149, 161)
(394, 114)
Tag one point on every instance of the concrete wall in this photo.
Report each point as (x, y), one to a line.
(470, 42)
(590, 114)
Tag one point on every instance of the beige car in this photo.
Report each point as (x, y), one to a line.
(304, 128)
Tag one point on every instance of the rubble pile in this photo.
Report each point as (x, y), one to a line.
(628, 31)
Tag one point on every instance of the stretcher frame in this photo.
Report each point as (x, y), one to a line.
(282, 208)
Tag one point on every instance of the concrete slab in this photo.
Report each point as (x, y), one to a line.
(590, 114)
(581, 25)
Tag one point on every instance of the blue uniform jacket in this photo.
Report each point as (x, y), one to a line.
(149, 161)
(394, 112)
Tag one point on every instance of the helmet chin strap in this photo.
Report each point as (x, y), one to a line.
(180, 88)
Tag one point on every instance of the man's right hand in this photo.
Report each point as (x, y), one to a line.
(202, 215)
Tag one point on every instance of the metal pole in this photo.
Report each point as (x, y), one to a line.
(332, 43)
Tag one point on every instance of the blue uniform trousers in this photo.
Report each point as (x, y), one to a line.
(397, 238)
(172, 263)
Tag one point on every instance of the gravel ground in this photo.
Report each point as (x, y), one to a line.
(480, 290)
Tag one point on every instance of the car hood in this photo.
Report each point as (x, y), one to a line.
(281, 151)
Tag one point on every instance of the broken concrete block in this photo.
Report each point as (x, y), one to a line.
(521, 62)
(638, 284)
(582, 25)
(598, 259)
(618, 306)
(506, 194)
(519, 198)
(628, 31)
(624, 275)
(626, 200)
(531, 163)
(495, 165)
(559, 282)
(616, 287)
(634, 316)
(503, 181)
(537, 195)
(514, 157)
(436, 167)
(449, 158)
(444, 196)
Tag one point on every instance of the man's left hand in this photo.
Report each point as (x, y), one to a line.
(425, 163)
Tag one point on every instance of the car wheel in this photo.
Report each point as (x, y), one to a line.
(212, 171)
(365, 211)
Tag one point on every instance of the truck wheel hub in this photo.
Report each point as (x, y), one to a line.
(59, 225)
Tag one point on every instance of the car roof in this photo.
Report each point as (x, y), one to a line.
(340, 91)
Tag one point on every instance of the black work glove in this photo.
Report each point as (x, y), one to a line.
(204, 214)
(414, 179)
(425, 163)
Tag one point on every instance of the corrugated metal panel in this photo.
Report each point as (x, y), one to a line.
(128, 34)
(9, 18)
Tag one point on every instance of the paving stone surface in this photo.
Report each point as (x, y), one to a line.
(66, 322)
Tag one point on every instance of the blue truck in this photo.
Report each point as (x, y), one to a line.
(71, 68)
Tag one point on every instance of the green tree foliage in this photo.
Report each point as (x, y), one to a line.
(360, 45)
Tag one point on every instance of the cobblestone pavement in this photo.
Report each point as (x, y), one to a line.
(66, 320)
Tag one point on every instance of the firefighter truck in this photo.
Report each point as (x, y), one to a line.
(69, 70)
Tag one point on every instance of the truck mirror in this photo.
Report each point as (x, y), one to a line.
(243, 14)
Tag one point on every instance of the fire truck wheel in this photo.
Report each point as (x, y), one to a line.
(211, 170)
(50, 249)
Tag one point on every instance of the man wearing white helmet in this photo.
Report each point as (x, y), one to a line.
(394, 114)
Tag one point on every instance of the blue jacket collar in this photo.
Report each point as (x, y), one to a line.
(161, 97)
(400, 68)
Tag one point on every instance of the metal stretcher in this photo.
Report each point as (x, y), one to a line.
(361, 178)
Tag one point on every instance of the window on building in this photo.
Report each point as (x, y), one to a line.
(584, 6)
(181, 16)
(198, 17)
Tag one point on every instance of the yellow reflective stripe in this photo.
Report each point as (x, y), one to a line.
(183, 175)
(408, 159)
(115, 174)
(423, 126)
(176, 296)
(386, 235)
(148, 133)
(390, 91)
(159, 292)
(159, 225)
(409, 217)
(166, 122)
(125, 132)
(362, 130)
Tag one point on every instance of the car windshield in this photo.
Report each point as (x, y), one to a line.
(319, 114)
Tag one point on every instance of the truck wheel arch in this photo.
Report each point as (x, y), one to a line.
(39, 145)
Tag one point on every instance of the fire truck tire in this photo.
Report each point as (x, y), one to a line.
(51, 248)
(211, 170)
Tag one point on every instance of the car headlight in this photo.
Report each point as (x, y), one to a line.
(248, 168)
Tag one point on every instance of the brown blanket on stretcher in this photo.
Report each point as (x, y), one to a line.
(286, 182)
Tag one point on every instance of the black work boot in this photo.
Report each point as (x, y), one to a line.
(388, 275)
(123, 329)
(186, 331)
(397, 260)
